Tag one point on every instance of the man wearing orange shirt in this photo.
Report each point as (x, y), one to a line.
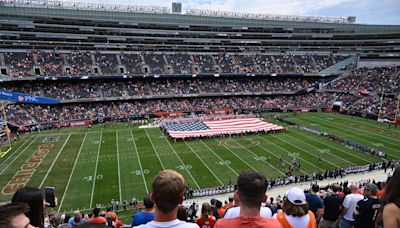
(96, 218)
(251, 192)
(230, 204)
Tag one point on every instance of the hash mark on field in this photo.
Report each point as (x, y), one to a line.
(268, 151)
(54, 162)
(204, 163)
(95, 170)
(224, 161)
(307, 151)
(369, 132)
(140, 163)
(299, 157)
(72, 172)
(173, 149)
(155, 151)
(119, 171)
(251, 167)
(328, 149)
(273, 167)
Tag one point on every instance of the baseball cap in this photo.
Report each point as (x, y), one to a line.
(296, 196)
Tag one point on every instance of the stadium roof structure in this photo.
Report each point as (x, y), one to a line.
(277, 17)
(40, 24)
(157, 14)
(166, 10)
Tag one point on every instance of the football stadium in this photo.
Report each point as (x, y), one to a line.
(97, 99)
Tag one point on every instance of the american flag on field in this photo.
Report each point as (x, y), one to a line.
(218, 127)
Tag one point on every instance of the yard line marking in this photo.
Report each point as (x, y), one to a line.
(307, 151)
(251, 167)
(389, 138)
(210, 149)
(151, 142)
(54, 162)
(72, 172)
(254, 154)
(204, 163)
(356, 135)
(140, 163)
(23, 151)
(268, 151)
(15, 151)
(305, 135)
(299, 156)
(187, 170)
(95, 169)
(119, 171)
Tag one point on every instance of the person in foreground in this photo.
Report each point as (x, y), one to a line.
(391, 201)
(295, 211)
(13, 216)
(168, 188)
(34, 197)
(251, 192)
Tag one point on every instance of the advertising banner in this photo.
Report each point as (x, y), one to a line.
(26, 98)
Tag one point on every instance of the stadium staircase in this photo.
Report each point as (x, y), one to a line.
(340, 67)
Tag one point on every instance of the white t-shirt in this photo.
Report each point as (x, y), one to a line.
(174, 223)
(350, 202)
(298, 222)
(234, 212)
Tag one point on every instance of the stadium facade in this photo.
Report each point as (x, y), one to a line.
(74, 26)
(151, 60)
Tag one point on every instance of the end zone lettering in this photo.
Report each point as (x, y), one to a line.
(27, 169)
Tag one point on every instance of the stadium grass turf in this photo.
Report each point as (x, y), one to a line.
(90, 166)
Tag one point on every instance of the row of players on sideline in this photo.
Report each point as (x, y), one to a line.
(350, 207)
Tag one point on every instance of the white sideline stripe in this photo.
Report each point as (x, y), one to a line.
(187, 170)
(356, 135)
(140, 163)
(204, 163)
(119, 171)
(70, 176)
(152, 145)
(359, 129)
(210, 149)
(54, 162)
(251, 167)
(268, 151)
(299, 157)
(308, 152)
(23, 151)
(95, 169)
(305, 135)
(254, 154)
(5, 161)
(358, 138)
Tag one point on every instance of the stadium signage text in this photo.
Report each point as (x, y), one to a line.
(27, 169)
(26, 98)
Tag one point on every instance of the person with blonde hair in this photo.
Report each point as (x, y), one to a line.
(206, 219)
(295, 211)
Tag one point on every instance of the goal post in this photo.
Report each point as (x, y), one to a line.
(6, 145)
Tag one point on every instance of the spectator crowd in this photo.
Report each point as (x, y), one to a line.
(82, 63)
(360, 205)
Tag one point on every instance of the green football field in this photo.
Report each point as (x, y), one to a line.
(92, 166)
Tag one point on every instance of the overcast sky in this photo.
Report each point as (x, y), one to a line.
(366, 11)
